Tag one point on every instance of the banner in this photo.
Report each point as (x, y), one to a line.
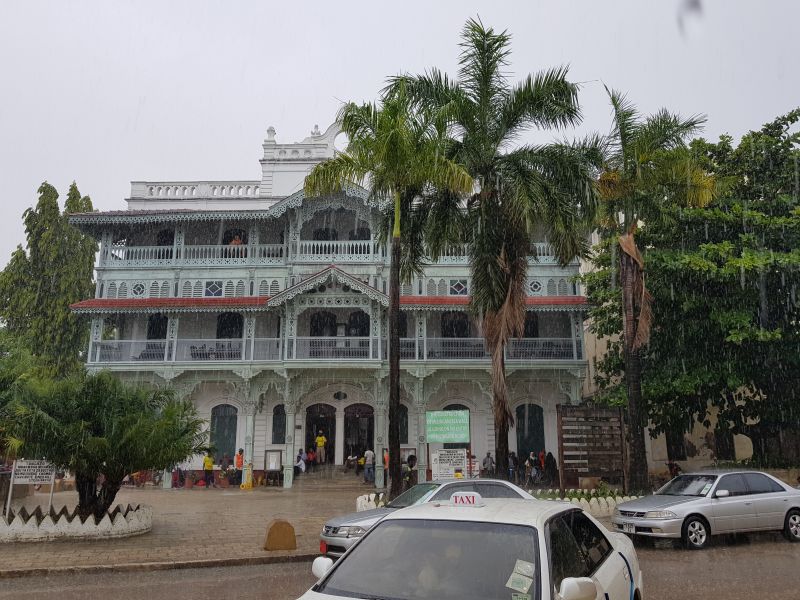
(447, 426)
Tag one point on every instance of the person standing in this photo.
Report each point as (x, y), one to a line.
(551, 468)
(239, 466)
(488, 465)
(409, 476)
(321, 441)
(512, 466)
(208, 470)
(369, 466)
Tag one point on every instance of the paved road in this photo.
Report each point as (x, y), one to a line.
(762, 566)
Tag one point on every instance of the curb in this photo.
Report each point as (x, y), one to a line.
(158, 566)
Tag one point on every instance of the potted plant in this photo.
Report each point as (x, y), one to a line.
(225, 475)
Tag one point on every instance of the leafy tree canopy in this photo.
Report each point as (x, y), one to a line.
(726, 318)
(41, 280)
(93, 425)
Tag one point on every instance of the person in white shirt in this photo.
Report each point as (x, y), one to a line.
(369, 466)
(299, 465)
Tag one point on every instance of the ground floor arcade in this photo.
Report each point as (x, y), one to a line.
(285, 410)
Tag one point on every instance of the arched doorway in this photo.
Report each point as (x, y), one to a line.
(530, 429)
(359, 428)
(321, 417)
(223, 431)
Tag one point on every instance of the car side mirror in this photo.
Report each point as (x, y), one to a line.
(320, 566)
(722, 493)
(577, 588)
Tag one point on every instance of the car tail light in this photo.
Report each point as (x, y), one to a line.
(323, 547)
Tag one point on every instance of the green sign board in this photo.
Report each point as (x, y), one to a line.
(447, 426)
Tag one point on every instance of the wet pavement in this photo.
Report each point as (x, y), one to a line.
(749, 568)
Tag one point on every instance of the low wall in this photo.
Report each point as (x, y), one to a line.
(38, 526)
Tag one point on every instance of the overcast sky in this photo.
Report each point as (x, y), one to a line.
(107, 92)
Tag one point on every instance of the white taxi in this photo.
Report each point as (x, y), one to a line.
(472, 548)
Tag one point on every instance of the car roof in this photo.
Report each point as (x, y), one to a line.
(723, 471)
(512, 511)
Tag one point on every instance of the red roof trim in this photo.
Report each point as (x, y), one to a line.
(464, 300)
(169, 302)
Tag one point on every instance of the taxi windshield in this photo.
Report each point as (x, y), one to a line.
(439, 560)
(688, 485)
(412, 496)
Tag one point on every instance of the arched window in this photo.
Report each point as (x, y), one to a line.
(403, 424)
(279, 424)
(323, 324)
(230, 326)
(358, 324)
(223, 431)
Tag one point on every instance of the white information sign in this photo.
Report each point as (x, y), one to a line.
(35, 472)
(446, 463)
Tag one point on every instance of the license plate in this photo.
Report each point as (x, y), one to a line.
(629, 528)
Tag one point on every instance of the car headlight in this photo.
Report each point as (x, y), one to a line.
(352, 532)
(660, 514)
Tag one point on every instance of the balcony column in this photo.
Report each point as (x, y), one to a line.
(422, 334)
(171, 346)
(95, 339)
(248, 339)
(380, 428)
(574, 331)
(177, 244)
(251, 395)
(290, 404)
(290, 330)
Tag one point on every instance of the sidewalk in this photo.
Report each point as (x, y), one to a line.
(197, 525)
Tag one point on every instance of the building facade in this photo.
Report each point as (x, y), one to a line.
(269, 310)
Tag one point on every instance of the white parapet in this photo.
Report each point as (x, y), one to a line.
(37, 526)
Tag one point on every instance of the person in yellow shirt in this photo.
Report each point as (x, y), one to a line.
(321, 441)
(208, 470)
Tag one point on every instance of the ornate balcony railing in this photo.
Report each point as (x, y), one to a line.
(332, 348)
(339, 251)
(114, 351)
(120, 255)
(329, 348)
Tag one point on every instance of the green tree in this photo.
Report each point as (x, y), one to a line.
(522, 189)
(646, 168)
(399, 154)
(94, 425)
(42, 280)
(725, 316)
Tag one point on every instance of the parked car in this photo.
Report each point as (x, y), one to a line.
(469, 548)
(694, 506)
(339, 533)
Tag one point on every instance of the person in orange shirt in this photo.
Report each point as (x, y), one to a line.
(239, 465)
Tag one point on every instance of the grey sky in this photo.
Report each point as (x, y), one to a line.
(106, 92)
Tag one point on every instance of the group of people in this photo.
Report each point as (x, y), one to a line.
(536, 469)
(307, 460)
(225, 464)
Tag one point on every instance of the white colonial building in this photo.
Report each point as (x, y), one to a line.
(268, 310)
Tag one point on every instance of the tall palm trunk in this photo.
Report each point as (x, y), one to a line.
(501, 408)
(630, 273)
(395, 474)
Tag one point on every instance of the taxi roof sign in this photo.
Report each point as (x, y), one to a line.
(466, 499)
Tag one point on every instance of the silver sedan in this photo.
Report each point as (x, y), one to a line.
(694, 506)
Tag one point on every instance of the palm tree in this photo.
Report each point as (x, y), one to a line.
(646, 168)
(522, 188)
(399, 154)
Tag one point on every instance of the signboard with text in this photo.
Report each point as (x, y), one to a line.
(35, 472)
(447, 426)
(446, 463)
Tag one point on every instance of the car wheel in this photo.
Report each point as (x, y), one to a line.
(791, 525)
(696, 533)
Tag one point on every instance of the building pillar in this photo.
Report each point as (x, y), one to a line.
(252, 394)
(248, 338)
(422, 445)
(338, 453)
(380, 429)
(290, 405)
